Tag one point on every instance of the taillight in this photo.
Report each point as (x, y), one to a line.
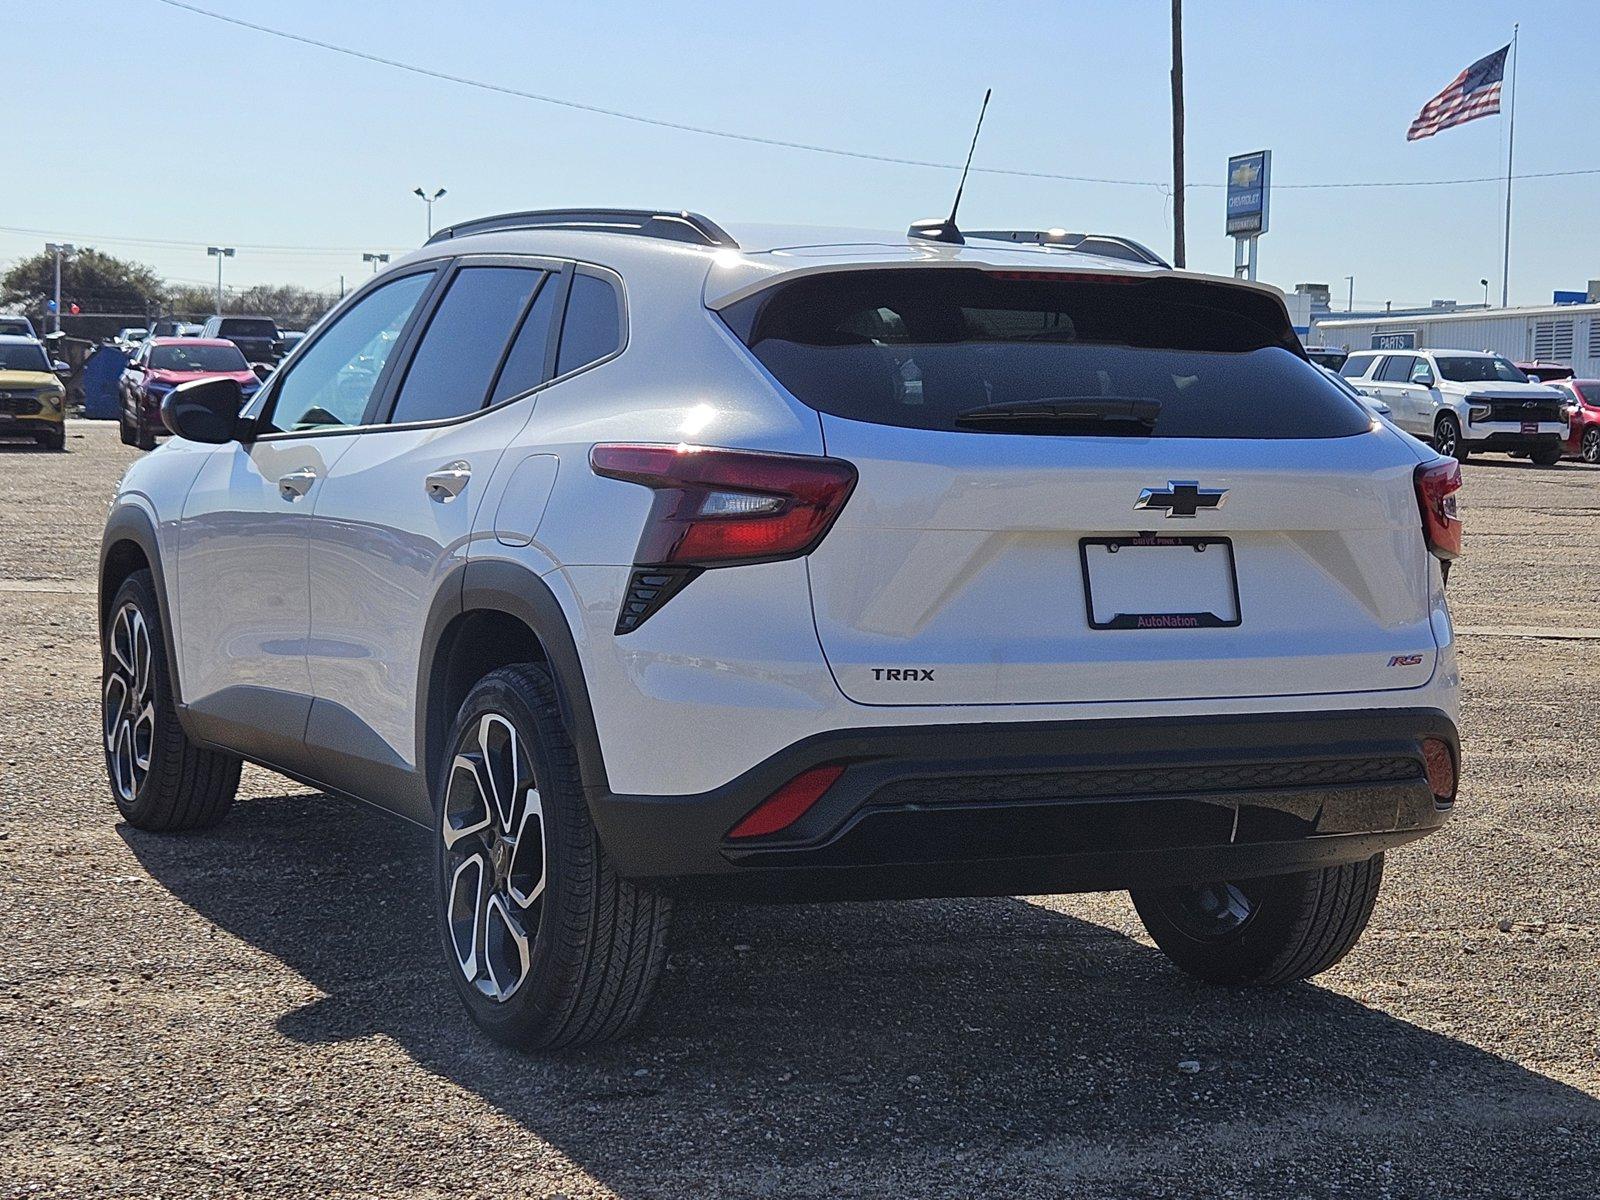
(1437, 488)
(1441, 765)
(789, 803)
(720, 507)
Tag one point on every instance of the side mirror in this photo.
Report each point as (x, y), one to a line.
(204, 410)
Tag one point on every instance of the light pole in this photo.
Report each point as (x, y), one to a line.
(375, 260)
(60, 250)
(1350, 303)
(429, 201)
(219, 253)
(1485, 283)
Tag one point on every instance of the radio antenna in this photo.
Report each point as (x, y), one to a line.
(935, 230)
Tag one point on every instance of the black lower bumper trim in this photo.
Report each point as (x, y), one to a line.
(1515, 443)
(1017, 808)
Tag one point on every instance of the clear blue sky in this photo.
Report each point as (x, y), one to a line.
(135, 121)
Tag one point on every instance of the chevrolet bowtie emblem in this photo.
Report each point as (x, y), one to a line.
(1181, 498)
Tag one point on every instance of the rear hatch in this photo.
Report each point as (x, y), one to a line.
(1093, 489)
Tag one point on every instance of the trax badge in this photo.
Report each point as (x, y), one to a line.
(1181, 498)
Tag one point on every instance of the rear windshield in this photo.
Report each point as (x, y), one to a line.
(247, 327)
(197, 358)
(23, 356)
(1014, 352)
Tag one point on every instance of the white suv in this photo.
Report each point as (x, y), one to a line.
(636, 561)
(1464, 401)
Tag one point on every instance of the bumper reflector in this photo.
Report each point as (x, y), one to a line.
(789, 803)
(1441, 769)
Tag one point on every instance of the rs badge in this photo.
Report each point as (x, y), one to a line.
(1406, 660)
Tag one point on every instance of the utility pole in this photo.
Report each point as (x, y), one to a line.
(60, 250)
(1177, 134)
(219, 253)
(429, 201)
(375, 259)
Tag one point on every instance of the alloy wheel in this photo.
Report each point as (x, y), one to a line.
(1209, 911)
(494, 847)
(128, 710)
(1444, 439)
(1590, 448)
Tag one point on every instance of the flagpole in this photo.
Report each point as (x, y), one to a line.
(1511, 148)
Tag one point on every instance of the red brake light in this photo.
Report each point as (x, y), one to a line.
(1437, 485)
(717, 507)
(789, 803)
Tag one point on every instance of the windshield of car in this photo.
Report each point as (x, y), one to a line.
(197, 358)
(1478, 369)
(23, 356)
(13, 325)
(248, 327)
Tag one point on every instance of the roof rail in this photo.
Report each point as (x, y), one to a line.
(639, 222)
(1104, 244)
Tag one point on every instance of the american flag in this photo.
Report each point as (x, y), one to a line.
(1472, 94)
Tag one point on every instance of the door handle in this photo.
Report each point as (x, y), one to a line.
(445, 484)
(296, 483)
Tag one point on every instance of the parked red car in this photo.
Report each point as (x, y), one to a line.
(161, 364)
(1583, 420)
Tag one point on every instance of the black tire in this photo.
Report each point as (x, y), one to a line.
(54, 439)
(182, 785)
(143, 436)
(1589, 445)
(595, 943)
(1263, 932)
(1447, 437)
(1547, 457)
(123, 429)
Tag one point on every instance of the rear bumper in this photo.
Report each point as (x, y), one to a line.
(1041, 807)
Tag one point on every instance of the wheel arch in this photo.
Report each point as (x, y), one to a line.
(489, 614)
(128, 545)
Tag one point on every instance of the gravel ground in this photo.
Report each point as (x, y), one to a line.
(261, 1009)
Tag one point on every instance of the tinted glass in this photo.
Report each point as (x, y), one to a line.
(249, 327)
(592, 328)
(524, 366)
(16, 327)
(197, 358)
(23, 356)
(1421, 372)
(332, 381)
(1488, 369)
(1589, 391)
(1396, 368)
(929, 349)
(1356, 368)
(456, 360)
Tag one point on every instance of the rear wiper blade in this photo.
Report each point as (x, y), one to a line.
(1137, 413)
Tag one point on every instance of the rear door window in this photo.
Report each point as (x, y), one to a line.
(1396, 368)
(466, 338)
(1356, 367)
(1031, 352)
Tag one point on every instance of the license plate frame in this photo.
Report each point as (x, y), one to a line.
(1161, 620)
(1530, 427)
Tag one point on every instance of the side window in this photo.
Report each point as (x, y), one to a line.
(525, 365)
(1396, 368)
(456, 360)
(333, 380)
(592, 327)
(1355, 367)
(1421, 372)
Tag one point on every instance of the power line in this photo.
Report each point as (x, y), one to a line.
(810, 147)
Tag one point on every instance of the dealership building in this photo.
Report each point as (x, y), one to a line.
(1566, 333)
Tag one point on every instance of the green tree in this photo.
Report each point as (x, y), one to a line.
(94, 281)
(291, 307)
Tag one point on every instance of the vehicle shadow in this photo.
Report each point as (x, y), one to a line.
(944, 1048)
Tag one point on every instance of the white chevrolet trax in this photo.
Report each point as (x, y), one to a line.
(637, 560)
